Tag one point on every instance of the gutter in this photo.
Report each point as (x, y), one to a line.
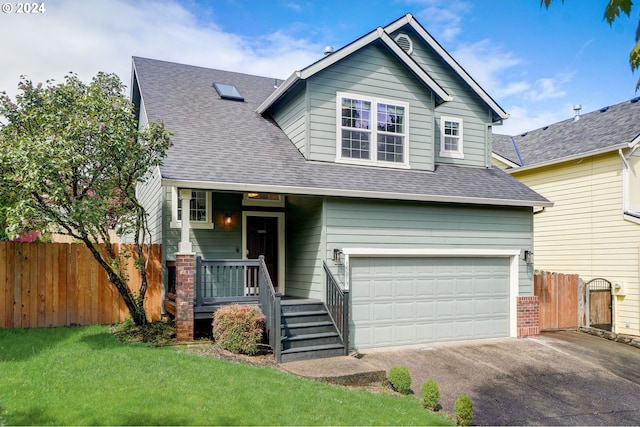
(568, 159)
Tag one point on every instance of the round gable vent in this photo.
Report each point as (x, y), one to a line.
(405, 43)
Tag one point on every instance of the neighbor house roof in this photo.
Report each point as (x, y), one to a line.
(596, 132)
(224, 144)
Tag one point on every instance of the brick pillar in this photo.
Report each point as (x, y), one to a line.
(528, 316)
(185, 295)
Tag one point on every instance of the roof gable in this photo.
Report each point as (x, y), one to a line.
(327, 61)
(409, 20)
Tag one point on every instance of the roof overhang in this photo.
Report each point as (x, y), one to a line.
(339, 192)
(504, 160)
(378, 34)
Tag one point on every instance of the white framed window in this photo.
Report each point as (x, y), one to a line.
(451, 137)
(263, 199)
(372, 130)
(200, 208)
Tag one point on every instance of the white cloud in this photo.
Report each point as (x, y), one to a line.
(490, 65)
(87, 37)
(549, 87)
(443, 18)
(524, 118)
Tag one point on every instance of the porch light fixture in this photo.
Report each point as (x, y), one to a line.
(528, 257)
(338, 256)
(227, 218)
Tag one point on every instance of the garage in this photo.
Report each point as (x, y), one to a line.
(413, 300)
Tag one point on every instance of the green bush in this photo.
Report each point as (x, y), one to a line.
(238, 328)
(430, 395)
(464, 410)
(400, 379)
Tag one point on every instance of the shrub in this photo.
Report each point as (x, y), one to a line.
(464, 410)
(238, 328)
(430, 395)
(400, 379)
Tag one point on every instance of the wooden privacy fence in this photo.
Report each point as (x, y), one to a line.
(558, 298)
(61, 284)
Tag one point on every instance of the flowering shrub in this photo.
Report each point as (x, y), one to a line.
(238, 328)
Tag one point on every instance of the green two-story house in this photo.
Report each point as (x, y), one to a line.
(372, 166)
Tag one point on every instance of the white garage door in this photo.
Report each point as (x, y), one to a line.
(401, 301)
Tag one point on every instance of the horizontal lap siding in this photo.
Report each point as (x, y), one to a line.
(465, 105)
(304, 240)
(150, 196)
(422, 225)
(290, 115)
(372, 71)
(584, 232)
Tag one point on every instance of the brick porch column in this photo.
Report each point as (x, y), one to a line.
(185, 295)
(528, 308)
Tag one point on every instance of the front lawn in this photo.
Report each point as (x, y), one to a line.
(84, 376)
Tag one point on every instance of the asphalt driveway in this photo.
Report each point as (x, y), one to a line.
(561, 378)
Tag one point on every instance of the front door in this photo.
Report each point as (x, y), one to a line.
(262, 239)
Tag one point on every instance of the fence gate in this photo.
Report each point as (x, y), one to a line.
(600, 304)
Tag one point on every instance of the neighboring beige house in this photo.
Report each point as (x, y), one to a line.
(589, 167)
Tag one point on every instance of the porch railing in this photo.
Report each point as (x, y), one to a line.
(270, 305)
(241, 280)
(337, 300)
(226, 280)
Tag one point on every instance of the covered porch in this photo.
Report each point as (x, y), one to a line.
(197, 285)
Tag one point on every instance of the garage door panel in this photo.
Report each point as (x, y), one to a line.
(422, 300)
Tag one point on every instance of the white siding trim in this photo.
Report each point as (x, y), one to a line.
(317, 191)
(512, 254)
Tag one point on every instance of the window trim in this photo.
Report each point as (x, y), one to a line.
(176, 223)
(373, 142)
(454, 154)
(249, 201)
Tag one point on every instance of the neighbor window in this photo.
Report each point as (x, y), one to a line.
(199, 209)
(372, 130)
(451, 137)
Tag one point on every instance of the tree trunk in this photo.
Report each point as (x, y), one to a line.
(134, 304)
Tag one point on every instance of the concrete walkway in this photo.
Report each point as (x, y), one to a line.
(562, 378)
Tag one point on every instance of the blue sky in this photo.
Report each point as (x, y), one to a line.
(536, 63)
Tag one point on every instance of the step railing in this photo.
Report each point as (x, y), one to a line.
(337, 300)
(270, 302)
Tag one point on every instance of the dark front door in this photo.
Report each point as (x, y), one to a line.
(262, 239)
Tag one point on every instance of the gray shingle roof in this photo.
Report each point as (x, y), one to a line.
(228, 144)
(605, 129)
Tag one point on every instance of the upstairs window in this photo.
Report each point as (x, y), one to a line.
(451, 138)
(372, 130)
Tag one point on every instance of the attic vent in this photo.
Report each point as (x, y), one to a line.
(634, 100)
(228, 91)
(405, 43)
(603, 109)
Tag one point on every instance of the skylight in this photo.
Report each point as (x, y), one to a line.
(228, 91)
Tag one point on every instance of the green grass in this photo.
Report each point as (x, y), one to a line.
(84, 376)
